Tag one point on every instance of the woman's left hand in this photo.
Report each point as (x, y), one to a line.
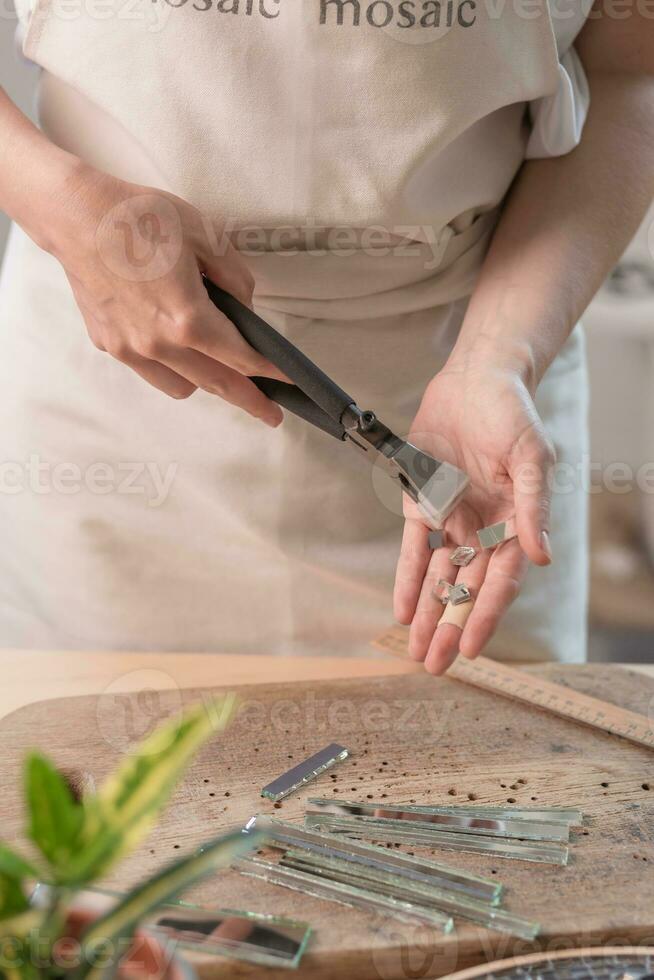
(481, 417)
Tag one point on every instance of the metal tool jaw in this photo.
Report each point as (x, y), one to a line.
(434, 485)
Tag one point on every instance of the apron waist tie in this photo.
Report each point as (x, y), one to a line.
(363, 284)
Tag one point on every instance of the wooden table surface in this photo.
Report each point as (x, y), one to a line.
(29, 676)
(412, 739)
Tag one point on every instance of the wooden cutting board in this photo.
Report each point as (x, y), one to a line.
(412, 739)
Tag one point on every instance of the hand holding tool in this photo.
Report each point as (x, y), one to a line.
(436, 486)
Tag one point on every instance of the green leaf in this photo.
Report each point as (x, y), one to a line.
(105, 933)
(14, 869)
(15, 866)
(12, 898)
(55, 819)
(128, 804)
(161, 757)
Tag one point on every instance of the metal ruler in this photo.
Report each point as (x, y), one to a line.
(531, 689)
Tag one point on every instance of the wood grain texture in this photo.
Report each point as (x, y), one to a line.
(413, 739)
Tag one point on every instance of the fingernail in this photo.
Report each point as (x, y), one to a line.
(545, 544)
(271, 420)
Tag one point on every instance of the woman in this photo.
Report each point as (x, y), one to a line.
(350, 161)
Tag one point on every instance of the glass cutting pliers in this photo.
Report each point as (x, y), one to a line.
(434, 485)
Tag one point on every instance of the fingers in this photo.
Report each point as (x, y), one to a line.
(412, 564)
(167, 330)
(429, 607)
(446, 640)
(224, 266)
(494, 580)
(167, 359)
(159, 376)
(506, 571)
(443, 649)
(213, 334)
(530, 467)
(217, 379)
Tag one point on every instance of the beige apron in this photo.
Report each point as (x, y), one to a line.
(134, 522)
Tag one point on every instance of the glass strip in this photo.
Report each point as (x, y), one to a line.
(279, 832)
(253, 937)
(267, 940)
(479, 912)
(396, 816)
(337, 891)
(564, 815)
(304, 772)
(391, 879)
(379, 831)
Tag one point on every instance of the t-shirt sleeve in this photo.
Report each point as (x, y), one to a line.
(23, 13)
(557, 120)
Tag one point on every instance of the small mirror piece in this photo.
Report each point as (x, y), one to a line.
(436, 540)
(459, 594)
(304, 772)
(494, 534)
(463, 555)
(253, 937)
(456, 594)
(266, 940)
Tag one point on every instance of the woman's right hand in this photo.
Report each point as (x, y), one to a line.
(134, 257)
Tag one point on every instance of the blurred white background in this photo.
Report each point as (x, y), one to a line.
(620, 329)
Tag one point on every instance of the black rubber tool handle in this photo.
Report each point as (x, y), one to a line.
(283, 354)
(290, 397)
